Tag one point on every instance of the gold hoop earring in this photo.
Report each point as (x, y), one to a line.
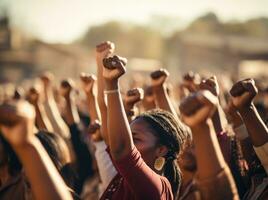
(159, 163)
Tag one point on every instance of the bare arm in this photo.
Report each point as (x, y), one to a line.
(42, 120)
(103, 50)
(52, 110)
(160, 91)
(196, 111)
(243, 94)
(120, 138)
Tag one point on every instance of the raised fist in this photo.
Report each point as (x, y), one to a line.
(88, 81)
(133, 96)
(33, 95)
(191, 81)
(17, 121)
(198, 107)
(66, 87)
(243, 93)
(159, 77)
(114, 67)
(94, 130)
(47, 79)
(210, 84)
(104, 49)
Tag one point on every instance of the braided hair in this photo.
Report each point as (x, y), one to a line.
(171, 133)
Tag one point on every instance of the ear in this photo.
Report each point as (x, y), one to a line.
(161, 151)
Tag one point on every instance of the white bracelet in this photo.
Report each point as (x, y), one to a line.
(110, 91)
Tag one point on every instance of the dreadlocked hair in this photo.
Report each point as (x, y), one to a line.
(171, 133)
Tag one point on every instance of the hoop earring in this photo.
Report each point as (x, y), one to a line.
(159, 163)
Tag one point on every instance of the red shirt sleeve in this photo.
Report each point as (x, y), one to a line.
(143, 181)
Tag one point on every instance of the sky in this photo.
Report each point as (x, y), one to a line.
(66, 20)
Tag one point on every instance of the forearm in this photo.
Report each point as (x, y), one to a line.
(217, 120)
(120, 138)
(55, 118)
(208, 153)
(258, 131)
(163, 100)
(93, 108)
(102, 104)
(72, 115)
(42, 120)
(45, 185)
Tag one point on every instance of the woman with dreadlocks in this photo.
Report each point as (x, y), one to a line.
(143, 152)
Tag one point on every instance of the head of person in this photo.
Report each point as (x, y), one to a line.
(158, 135)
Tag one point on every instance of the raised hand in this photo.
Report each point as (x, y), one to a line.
(191, 81)
(198, 107)
(133, 96)
(47, 79)
(114, 68)
(17, 122)
(33, 95)
(66, 87)
(211, 84)
(243, 93)
(88, 82)
(159, 77)
(94, 130)
(104, 49)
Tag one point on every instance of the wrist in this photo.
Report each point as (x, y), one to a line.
(245, 109)
(160, 87)
(111, 84)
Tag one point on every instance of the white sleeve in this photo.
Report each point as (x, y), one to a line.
(106, 168)
(262, 153)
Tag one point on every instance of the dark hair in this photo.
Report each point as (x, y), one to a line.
(171, 133)
(51, 143)
(13, 162)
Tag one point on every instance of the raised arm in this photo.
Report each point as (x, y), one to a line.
(42, 121)
(103, 50)
(17, 128)
(119, 133)
(212, 85)
(243, 93)
(51, 108)
(160, 91)
(196, 111)
(82, 154)
(132, 97)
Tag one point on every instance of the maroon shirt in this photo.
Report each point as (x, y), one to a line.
(136, 180)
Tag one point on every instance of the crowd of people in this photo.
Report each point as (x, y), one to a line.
(92, 139)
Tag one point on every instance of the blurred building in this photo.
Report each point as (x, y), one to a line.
(22, 58)
(218, 53)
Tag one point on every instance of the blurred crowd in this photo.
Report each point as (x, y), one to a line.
(98, 137)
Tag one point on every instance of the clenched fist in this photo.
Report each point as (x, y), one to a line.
(198, 107)
(88, 82)
(114, 68)
(159, 77)
(243, 93)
